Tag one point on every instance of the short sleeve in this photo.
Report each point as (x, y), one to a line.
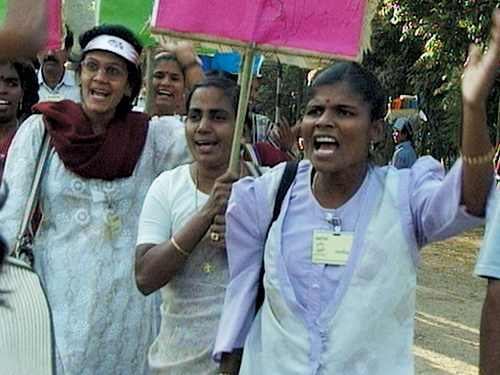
(155, 221)
(488, 262)
(435, 201)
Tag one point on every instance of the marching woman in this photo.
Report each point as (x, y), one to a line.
(103, 161)
(341, 259)
(181, 242)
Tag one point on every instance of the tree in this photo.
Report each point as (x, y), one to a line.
(419, 47)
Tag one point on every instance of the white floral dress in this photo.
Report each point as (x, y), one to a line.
(103, 325)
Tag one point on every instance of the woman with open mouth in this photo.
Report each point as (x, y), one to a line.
(173, 73)
(181, 242)
(103, 160)
(340, 260)
(18, 93)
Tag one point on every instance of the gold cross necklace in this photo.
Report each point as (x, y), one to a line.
(207, 265)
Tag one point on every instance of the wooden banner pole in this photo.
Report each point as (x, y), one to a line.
(245, 84)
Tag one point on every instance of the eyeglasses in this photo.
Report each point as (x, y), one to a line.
(113, 72)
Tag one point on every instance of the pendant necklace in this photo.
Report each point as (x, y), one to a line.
(207, 265)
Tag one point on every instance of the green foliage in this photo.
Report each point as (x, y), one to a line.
(419, 47)
(292, 88)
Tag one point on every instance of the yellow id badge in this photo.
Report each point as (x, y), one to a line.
(114, 223)
(54, 98)
(330, 247)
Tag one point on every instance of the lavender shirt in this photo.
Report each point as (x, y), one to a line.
(429, 211)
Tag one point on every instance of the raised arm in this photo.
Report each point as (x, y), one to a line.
(190, 62)
(477, 151)
(23, 31)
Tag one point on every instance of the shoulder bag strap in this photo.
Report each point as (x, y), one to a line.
(31, 204)
(285, 183)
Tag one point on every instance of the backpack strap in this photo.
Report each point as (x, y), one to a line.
(285, 183)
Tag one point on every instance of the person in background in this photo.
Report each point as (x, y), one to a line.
(18, 93)
(56, 81)
(174, 72)
(259, 153)
(404, 155)
(169, 85)
(340, 262)
(181, 243)
(103, 161)
(262, 130)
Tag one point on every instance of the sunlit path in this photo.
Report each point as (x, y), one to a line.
(449, 302)
(446, 364)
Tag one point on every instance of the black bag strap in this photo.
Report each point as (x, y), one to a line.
(285, 183)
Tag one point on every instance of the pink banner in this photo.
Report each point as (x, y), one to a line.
(54, 25)
(326, 26)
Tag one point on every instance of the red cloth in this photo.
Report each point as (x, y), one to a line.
(109, 155)
(268, 155)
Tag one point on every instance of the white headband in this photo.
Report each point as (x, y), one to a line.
(114, 44)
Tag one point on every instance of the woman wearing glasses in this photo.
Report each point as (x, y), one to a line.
(104, 158)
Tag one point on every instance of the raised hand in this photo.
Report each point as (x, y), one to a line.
(480, 69)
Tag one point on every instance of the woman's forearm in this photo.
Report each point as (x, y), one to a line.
(157, 264)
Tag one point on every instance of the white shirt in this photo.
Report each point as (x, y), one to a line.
(66, 89)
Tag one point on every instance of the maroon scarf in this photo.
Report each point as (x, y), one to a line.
(107, 156)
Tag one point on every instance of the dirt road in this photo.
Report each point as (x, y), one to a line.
(449, 301)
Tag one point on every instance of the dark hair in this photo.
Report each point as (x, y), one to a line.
(221, 73)
(361, 81)
(227, 86)
(29, 85)
(166, 56)
(134, 72)
(68, 39)
(407, 132)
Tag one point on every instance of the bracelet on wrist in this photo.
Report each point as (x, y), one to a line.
(479, 159)
(177, 247)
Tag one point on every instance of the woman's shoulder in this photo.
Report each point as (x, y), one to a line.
(423, 165)
(166, 122)
(173, 175)
(270, 180)
(33, 122)
(425, 169)
(30, 131)
(167, 139)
